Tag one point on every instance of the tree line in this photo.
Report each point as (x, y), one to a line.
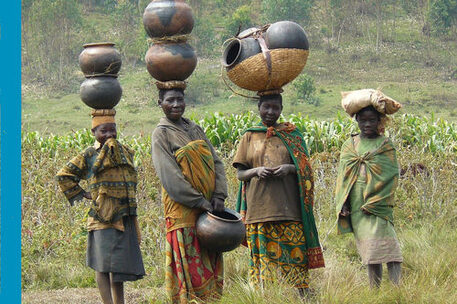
(53, 31)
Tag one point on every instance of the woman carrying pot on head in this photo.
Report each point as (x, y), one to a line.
(367, 178)
(276, 199)
(193, 181)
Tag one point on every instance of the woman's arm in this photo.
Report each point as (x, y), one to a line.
(69, 176)
(170, 175)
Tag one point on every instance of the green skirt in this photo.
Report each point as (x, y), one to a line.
(277, 249)
(375, 237)
(117, 252)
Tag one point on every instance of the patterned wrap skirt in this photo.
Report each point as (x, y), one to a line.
(192, 273)
(277, 250)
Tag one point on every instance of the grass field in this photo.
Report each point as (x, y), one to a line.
(54, 236)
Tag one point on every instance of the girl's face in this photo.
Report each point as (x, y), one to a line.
(173, 104)
(104, 132)
(368, 124)
(269, 111)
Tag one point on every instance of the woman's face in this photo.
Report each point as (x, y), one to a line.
(269, 111)
(173, 104)
(368, 123)
(104, 132)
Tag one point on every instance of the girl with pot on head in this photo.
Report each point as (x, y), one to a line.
(113, 245)
(276, 199)
(193, 181)
(367, 178)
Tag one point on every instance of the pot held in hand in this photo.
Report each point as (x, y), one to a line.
(220, 231)
(101, 92)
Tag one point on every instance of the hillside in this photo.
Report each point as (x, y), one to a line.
(351, 47)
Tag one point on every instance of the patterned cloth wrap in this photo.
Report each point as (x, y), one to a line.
(292, 246)
(192, 272)
(112, 180)
(382, 172)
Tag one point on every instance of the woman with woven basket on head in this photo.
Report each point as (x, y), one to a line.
(276, 199)
(193, 181)
(367, 179)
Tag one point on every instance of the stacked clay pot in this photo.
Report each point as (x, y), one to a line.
(100, 63)
(246, 63)
(168, 22)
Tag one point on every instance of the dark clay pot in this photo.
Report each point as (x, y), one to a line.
(168, 18)
(100, 58)
(220, 231)
(171, 61)
(238, 50)
(286, 35)
(101, 92)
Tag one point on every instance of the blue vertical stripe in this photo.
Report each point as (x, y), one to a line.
(10, 157)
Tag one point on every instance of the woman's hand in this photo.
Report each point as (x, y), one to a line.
(264, 172)
(283, 170)
(207, 206)
(218, 204)
(87, 195)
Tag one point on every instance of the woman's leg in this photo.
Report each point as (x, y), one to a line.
(103, 283)
(375, 274)
(117, 290)
(394, 269)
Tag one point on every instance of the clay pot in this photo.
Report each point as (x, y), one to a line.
(238, 50)
(167, 18)
(173, 61)
(286, 35)
(100, 58)
(101, 92)
(220, 231)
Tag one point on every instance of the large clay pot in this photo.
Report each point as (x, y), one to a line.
(101, 92)
(238, 50)
(167, 18)
(220, 231)
(171, 61)
(286, 35)
(100, 58)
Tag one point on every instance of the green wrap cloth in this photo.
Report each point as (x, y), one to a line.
(295, 144)
(382, 173)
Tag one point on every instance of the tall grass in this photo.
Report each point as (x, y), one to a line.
(54, 235)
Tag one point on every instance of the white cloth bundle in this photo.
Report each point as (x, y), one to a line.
(354, 101)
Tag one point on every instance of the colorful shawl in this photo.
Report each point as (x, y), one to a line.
(197, 165)
(295, 144)
(381, 180)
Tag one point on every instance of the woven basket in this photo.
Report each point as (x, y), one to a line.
(252, 73)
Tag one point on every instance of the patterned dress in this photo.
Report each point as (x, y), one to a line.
(283, 239)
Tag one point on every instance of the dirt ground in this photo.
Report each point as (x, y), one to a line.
(84, 296)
